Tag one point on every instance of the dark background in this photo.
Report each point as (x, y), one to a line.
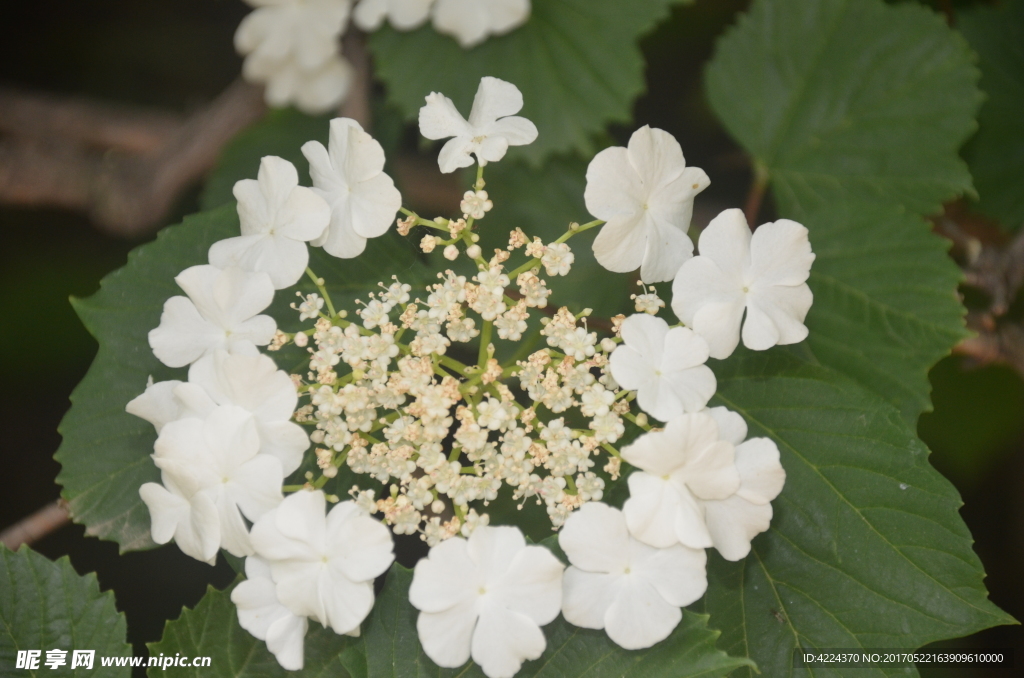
(178, 55)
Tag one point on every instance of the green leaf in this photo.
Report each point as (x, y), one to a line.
(46, 605)
(393, 650)
(576, 61)
(866, 547)
(996, 154)
(212, 630)
(105, 451)
(282, 133)
(855, 110)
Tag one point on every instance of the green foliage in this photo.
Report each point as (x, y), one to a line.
(212, 630)
(855, 110)
(866, 547)
(105, 453)
(46, 605)
(282, 133)
(996, 154)
(576, 62)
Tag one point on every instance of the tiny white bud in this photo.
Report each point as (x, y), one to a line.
(473, 251)
(608, 345)
(317, 437)
(330, 471)
(451, 253)
(437, 506)
(475, 238)
(301, 339)
(641, 419)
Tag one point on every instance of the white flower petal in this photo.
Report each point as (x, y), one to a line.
(733, 522)
(183, 335)
(677, 573)
(652, 509)
(532, 585)
(595, 539)
(439, 118)
(503, 639)
(731, 426)
(775, 315)
(493, 549)
(285, 639)
(447, 636)
(359, 546)
(446, 578)
(761, 474)
(780, 254)
(494, 99)
(586, 596)
(639, 617)
(158, 405)
(668, 248)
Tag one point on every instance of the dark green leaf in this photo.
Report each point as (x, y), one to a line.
(576, 62)
(105, 452)
(281, 133)
(996, 154)
(866, 547)
(856, 109)
(393, 650)
(212, 630)
(46, 605)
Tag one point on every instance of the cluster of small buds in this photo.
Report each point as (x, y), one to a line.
(389, 401)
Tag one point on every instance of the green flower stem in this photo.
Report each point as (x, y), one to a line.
(319, 282)
(485, 341)
(570, 485)
(632, 418)
(610, 450)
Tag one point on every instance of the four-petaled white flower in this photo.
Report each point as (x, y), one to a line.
(323, 564)
(256, 385)
(213, 475)
(664, 366)
(278, 217)
(734, 521)
(764, 274)
(679, 466)
(404, 15)
(631, 590)
(645, 192)
(265, 617)
(470, 22)
(220, 313)
(486, 597)
(491, 129)
(349, 175)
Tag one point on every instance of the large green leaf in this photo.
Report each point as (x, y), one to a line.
(212, 630)
(866, 547)
(393, 651)
(996, 154)
(105, 452)
(576, 62)
(46, 605)
(855, 110)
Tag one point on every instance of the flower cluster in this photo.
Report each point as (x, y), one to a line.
(444, 398)
(293, 46)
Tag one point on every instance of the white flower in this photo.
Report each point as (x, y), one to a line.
(557, 259)
(349, 175)
(404, 15)
(220, 313)
(278, 216)
(313, 91)
(323, 564)
(470, 22)
(262, 614)
(679, 466)
(256, 385)
(475, 204)
(486, 597)
(664, 366)
(645, 192)
(631, 590)
(734, 521)
(764, 273)
(491, 129)
(213, 475)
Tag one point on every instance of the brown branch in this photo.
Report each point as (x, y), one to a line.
(36, 526)
(123, 168)
(357, 103)
(756, 195)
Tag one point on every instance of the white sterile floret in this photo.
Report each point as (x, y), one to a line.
(404, 15)
(310, 306)
(679, 466)
(220, 313)
(313, 91)
(265, 617)
(557, 259)
(470, 22)
(255, 384)
(615, 582)
(158, 405)
(323, 564)
(645, 192)
(213, 474)
(764, 273)
(734, 521)
(664, 366)
(486, 597)
(278, 217)
(349, 175)
(475, 204)
(492, 126)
